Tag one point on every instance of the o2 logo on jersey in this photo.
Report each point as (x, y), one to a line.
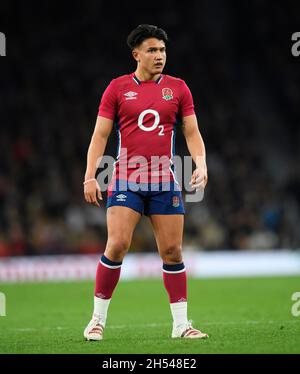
(167, 93)
(155, 123)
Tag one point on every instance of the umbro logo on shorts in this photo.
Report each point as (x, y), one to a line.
(121, 197)
(130, 95)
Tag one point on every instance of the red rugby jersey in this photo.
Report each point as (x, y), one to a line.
(145, 115)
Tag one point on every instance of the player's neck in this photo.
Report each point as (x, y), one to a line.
(143, 76)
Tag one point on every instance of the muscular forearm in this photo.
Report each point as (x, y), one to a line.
(196, 148)
(94, 155)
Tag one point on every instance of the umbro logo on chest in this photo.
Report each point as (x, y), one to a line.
(130, 95)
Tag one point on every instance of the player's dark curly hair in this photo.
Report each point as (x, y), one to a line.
(143, 32)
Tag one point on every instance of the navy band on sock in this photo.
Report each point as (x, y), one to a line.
(106, 261)
(176, 267)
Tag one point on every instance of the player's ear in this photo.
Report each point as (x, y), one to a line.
(135, 54)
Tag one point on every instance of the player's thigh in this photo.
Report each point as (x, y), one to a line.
(168, 232)
(121, 222)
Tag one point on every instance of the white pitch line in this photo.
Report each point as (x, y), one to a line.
(251, 322)
(225, 323)
(26, 329)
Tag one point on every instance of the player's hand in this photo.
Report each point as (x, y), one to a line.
(199, 178)
(92, 191)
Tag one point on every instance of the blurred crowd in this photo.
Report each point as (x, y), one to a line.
(237, 62)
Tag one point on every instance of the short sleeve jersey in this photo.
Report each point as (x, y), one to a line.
(146, 114)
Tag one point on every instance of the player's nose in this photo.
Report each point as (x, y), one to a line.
(159, 58)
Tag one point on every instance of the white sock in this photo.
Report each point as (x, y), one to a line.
(179, 313)
(100, 309)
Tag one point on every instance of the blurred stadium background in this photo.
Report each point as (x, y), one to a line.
(236, 58)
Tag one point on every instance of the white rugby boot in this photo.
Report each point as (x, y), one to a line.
(94, 330)
(187, 331)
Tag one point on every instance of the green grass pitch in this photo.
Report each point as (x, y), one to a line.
(241, 315)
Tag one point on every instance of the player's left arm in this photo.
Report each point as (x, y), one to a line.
(196, 148)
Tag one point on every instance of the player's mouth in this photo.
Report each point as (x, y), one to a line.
(159, 65)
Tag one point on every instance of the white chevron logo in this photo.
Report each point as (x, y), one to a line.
(130, 95)
(121, 197)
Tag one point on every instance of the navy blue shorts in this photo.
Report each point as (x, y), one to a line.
(146, 198)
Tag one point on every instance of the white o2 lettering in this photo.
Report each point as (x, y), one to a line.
(155, 124)
(161, 130)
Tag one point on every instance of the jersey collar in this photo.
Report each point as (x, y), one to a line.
(137, 81)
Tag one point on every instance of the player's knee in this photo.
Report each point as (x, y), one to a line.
(117, 247)
(172, 254)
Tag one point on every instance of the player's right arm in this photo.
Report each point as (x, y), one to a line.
(96, 150)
